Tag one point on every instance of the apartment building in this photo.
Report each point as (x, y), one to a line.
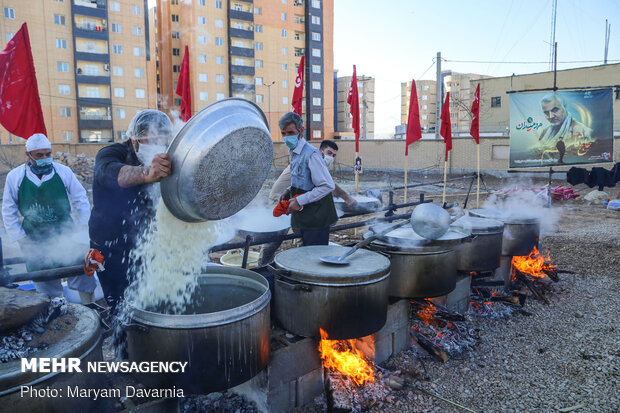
(426, 91)
(91, 59)
(366, 91)
(249, 49)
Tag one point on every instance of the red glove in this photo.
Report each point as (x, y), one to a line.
(93, 262)
(282, 207)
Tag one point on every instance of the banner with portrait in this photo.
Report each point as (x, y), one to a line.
(561, 128)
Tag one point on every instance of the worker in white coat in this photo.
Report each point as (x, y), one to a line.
(38, 214)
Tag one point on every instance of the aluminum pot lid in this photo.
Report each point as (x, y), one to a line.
(506, 216)
(304, 265)
(254, 220)
(364, 204)
(478, 226)
(406, 238)
(220, 159)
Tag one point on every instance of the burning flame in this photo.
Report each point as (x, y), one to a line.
(428, 314)
(342, 355)
(533, 264)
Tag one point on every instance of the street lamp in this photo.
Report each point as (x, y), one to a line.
(269, 102)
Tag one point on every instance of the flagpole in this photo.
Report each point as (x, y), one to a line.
(406, 156)
(478, 177)
(357, 175)
(445, 175)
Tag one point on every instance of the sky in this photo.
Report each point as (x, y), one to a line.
(397, 40)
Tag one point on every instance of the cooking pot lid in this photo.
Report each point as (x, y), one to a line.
(507, 217)
(305, 265)
(259, 220)
(478, 226)
(220, 159)
(364, 204)
(406, 237)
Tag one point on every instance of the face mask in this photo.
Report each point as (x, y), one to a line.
(291, 141)
(328, 160)
(147, 151)
(41, 166)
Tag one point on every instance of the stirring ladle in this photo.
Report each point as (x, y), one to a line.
(342, 260)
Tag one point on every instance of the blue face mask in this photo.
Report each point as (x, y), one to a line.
(291, 141)
(41, 166)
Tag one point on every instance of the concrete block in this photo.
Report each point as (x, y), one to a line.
(397, 317)
(282, 398)
(401, 340)
(293, 361)
(458, 299)
(383, 348)
(309, 386)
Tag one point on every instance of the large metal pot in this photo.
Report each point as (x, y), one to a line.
(364, 204)
(224, 335)
(260, 224)
(347, 301)
(521, 231)
(220, 160)
(485, 250)
(83, 342)
(421, 268)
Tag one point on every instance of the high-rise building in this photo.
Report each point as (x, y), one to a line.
(92, 62)
(366, 92)
(461, 87)
(249, 49)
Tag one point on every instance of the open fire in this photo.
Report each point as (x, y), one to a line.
(343, 356)
(535, 265)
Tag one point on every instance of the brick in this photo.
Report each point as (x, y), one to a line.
(309, 386)
(293, 361)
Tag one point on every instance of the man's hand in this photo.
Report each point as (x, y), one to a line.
(350, 201)
(286, 195)
(159, 169)
(293, 206)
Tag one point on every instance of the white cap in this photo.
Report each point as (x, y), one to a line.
(37, 141)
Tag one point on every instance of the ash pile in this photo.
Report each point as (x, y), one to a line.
(226, 402)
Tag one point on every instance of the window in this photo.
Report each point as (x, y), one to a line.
(119, 92)
(258, 10)
(176, 101)
(115, 6)
(59, 19)
(219, 41)
(284, 51)
(219, 96)
(137, 31)
(496, 102)
(316, 20)
(424, 107)
(258, 80)
(117, 49)
(219, 60)
(176, 51)
(283, 1)
(258, 28)
(9, 36)
(176, 35)
(316, 85)
(91, 47)
(92, 92)
(285, 100)
(204, 95)
(138, 72)
(174, 17)
(63, 66)
(203, 39)
(9, 13)
(283, 32)
(121, 135)
(316, 134)
(67, 135)
(202, 2)
(316, 117)
(218, 4)
(316, 36)
(259, 98)
(61, 43)
(425, 87)
(316, 52)
(424, 117)
(238, 43)
(202, 58)
(316, 4)
(285, 66)
(137, 10)
(283, 16)
(316, 68)
(218, 23)
(138, 51)
(176, 69)
(316, 101)
(65, 112)
(121, 114)
(90, 70)
(117, 71)
(424, 97)
(259, 63)
(219, 78)
(140, 93)
(258, 46)
(116, 28)
(64, 90)
(618, 93)
(203, 20)
(202, 77)
(285, 83)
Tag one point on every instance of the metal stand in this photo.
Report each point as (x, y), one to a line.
(471, 184)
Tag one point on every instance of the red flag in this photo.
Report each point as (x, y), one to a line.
(354, 102)
(20, 105)
(446, 126)
(183, 88)
(475, 119)
(298, 94)
(414, 130)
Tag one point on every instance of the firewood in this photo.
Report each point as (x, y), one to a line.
(552, 273)
(429, 346)
(530, 285)
(442, 312)
(337, 392)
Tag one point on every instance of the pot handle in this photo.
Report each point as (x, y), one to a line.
(138, 327)
(470, 238)
(284, 283)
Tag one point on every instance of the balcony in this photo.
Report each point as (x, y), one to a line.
(92, 4)
(96, 102)
(241, 51)
(92, 80)
(242, 33)
(85, 10)
(79, 31)
(95, 123)
(241, 15)
(242, 70)
(242, 88)
(92, 57)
